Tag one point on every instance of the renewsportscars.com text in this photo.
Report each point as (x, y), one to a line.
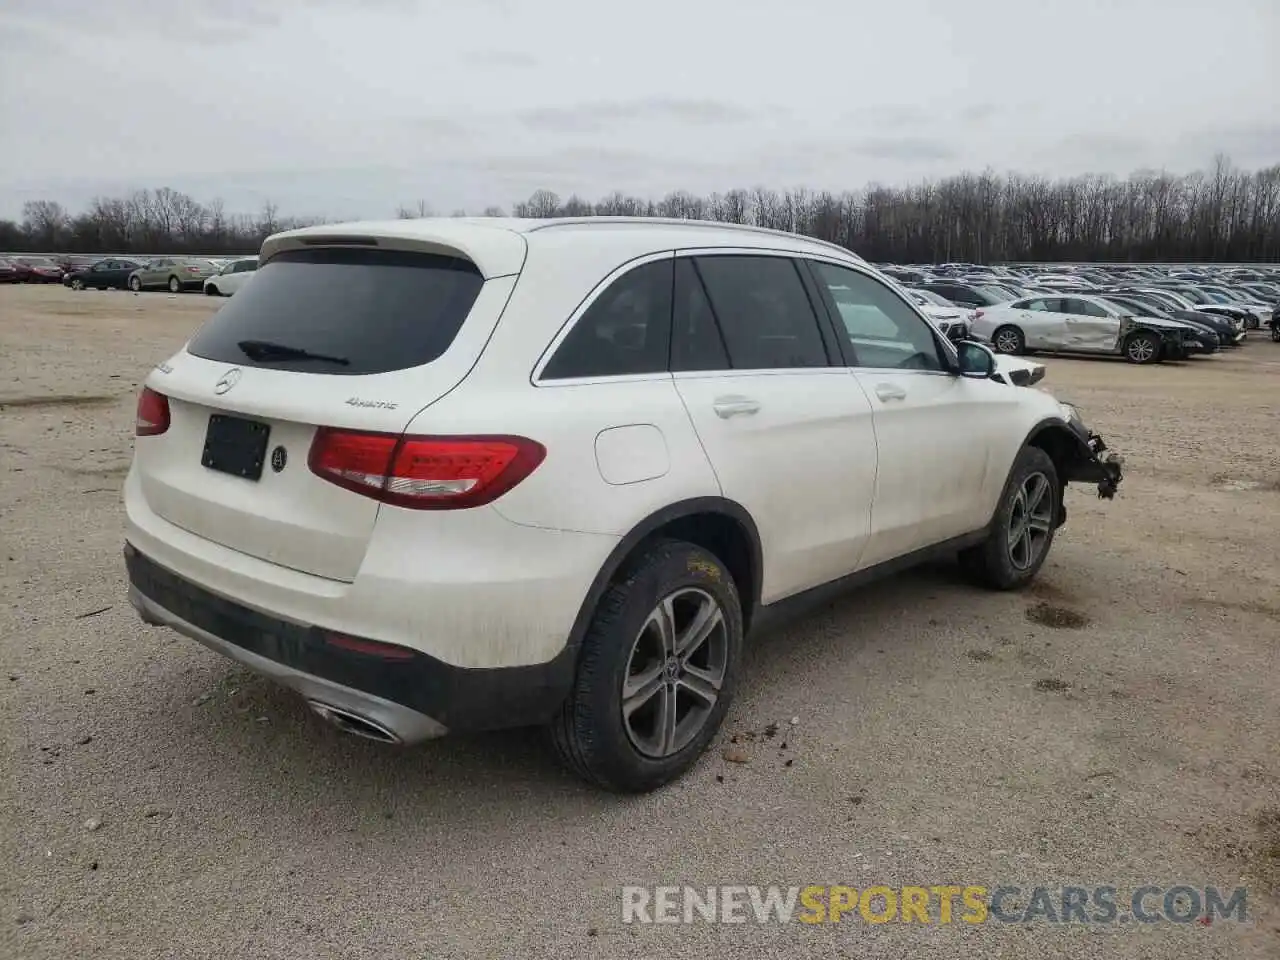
(933, 904)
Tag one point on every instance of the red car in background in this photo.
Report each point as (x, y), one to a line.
(8, 272)
(38, 269)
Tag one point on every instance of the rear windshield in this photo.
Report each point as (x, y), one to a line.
(353, 311)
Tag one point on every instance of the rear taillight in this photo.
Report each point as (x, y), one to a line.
(423, 473)
(153, 414)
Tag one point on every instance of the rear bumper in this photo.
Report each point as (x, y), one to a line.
(414, 696)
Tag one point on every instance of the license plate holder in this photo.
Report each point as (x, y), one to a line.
(236, 446)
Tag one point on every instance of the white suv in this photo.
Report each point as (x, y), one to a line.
(466, 474)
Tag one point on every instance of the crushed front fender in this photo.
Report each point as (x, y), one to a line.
(1092, 462)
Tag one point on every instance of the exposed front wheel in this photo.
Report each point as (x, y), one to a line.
(135, 284)
(211, 290)
(175, 285)
(1024, 525)
(656, 671)
(1142, 348)
(1009, 340)
(77, 284)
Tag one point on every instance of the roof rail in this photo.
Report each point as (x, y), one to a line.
(554, 222)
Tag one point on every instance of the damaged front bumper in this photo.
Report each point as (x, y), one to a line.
(1094, 463)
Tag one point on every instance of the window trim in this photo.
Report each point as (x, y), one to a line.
(535, 376)
(946, 352)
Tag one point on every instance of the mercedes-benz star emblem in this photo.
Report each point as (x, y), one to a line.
(279, 457)
(229, 380)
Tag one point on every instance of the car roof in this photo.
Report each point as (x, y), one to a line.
(498, 245)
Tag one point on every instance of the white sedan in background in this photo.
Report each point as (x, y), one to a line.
(1078, 323)
(231, 277)
(953, 321)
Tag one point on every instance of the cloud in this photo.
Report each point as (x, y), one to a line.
(904, 148)
(517, 59)
(595, 116)
(353, 106)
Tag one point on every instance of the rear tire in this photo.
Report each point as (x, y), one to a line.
(135, 284)
(175, 285)
(1023, 527)
(626, 653)
(1009, 340)
(1143, 347)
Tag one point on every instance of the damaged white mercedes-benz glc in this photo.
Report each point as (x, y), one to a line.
(466, 474)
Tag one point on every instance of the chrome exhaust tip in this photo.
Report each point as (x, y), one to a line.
(353, 723)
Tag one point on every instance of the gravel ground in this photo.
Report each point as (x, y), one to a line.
(1118, 724)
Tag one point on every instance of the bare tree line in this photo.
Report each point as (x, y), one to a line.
(1222, 214)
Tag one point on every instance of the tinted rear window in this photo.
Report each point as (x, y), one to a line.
(379, 310)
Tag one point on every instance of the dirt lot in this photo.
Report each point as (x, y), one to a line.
(1116, 725)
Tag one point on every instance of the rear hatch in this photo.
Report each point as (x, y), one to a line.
(353, 338)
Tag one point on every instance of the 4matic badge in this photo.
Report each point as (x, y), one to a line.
(375, 404)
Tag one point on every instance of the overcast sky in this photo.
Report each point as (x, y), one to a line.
(347, 108)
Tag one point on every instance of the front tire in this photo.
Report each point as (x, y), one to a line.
(77, 284)
(135, 284)
(211, 290)
(1023, 527)
(656, 671)
(1143, 347)
(1010, 341)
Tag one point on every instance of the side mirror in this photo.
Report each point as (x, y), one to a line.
(976, 360)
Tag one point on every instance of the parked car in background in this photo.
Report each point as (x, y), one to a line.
(231, 277)
(1079, 324)
(953, 321)
(8, 272)
(963, 295)
(109, 274)
(40, 269)
(1193, 300)
(174, 273)
(1202, 331)
(1230, 332)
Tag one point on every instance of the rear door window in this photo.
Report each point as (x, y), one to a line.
(763, 311)
(696, 342)
(350, 311)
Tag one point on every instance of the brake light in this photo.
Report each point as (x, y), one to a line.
(153, 414)
(423, 473)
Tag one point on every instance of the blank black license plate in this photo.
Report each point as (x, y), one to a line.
(235, 446)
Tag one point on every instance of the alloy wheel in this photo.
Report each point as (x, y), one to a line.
(1030, 521)
(675, 672)
(1007, 341)
(1141, 349)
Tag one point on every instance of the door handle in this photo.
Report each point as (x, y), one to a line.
(890, 391)
(726, 407)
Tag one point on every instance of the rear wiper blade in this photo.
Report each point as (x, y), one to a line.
(265, 351)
